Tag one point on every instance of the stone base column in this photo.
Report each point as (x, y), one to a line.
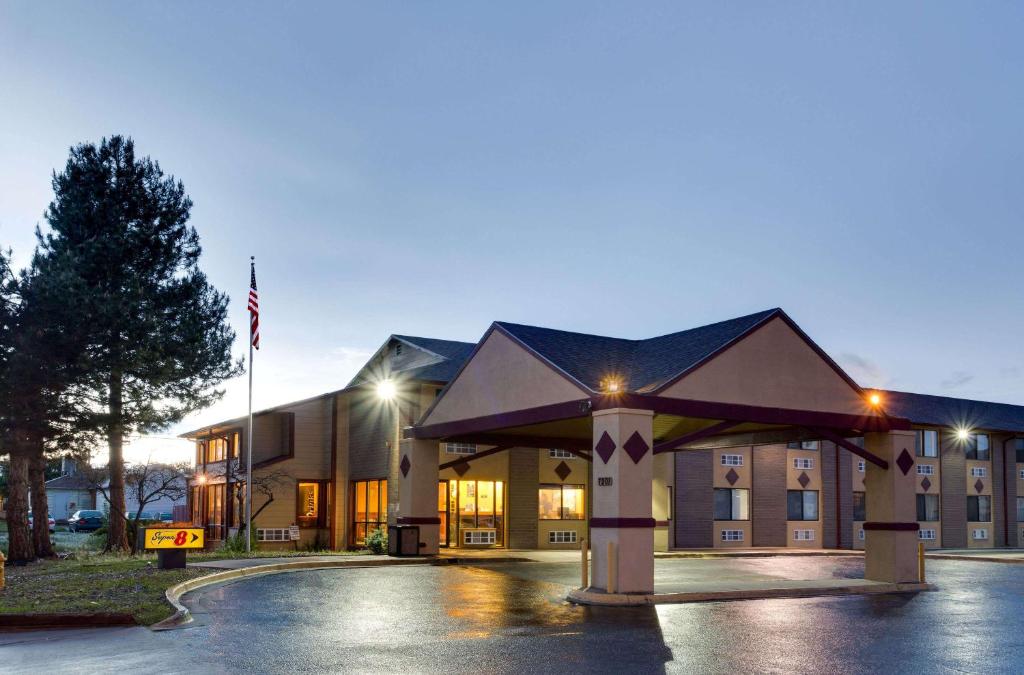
(890, 533)
(417, 494)
(623, 468)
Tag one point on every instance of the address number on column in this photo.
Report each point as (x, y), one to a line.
(604, 481)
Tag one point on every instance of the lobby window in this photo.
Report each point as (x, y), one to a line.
(561, 502)
(979, 509)
(927, 443)
(925, 469)
(460, 448)
(1019, 442)
(859, 507)
(976, 447)
(803, 463)
(732, 535)
(732, 504)
(802, 445)
(732, 460)
(310, 501)
(555, 453)
(369, 508)
(927, 508)
(479, 505)
(802, 505)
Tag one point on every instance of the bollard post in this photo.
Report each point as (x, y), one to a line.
(583, 567)
(920, 561)
(2, 578)
(612, 565)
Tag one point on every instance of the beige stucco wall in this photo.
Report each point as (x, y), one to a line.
(793, 483)
(934, 489)
(743, 481)
(501, 377)
(771, 367)
(986, 489)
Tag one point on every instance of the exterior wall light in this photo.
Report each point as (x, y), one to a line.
(201, 478)
(875, 399)
(386, 390)
(962, 434)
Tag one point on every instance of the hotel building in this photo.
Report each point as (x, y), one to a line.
(331, 466)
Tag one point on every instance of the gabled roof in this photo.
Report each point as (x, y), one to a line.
(944, 411)
(641, 365)
(71, 482)
(453, 353)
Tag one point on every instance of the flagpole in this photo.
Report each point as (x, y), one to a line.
(248, 452)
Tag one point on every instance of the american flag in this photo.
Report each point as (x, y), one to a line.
(254, 310)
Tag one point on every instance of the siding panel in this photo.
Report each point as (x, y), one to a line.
(769, 498)
(829, 492)
(694, 499)
(954, 493)
(523, 497)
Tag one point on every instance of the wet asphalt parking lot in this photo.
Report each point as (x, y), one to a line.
(511, 617)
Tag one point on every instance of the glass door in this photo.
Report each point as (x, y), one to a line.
(442, 511)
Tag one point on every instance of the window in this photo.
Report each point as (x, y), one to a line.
(860, 534)
(1019, 442)
(979, 533)
(978, 472)
(928, 508)
(803, 445)
(732, 535)
(310, 504)
(460, 448)
(803, 463)
(272, 534)
(803, 535)
(561, 502)
(479, 537)
(802, 505)
(925, 469)
(927, 443)
(979, 509)
(859, 510)
(976, 447)
(475, 504)
(732, 504)
(860, 466)
(1020, 509)
(554, 453)
(926, 535)
(369, 508)
(732, 460)
(562, 537)
(217, 449)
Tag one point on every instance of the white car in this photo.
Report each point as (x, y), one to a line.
(49, 519)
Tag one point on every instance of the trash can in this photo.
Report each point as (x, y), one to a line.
(403, 540)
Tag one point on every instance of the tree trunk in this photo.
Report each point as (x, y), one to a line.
(19, 540)
(40, 507)
(117, 538)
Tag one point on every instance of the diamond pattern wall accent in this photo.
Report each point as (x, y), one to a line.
(605, 447)
(732, 476)
(905, 462)
(803, 479)
(461, 468)
(404, 466)
(636, 447)
(926, 484)
(979, 486)
(562, 470)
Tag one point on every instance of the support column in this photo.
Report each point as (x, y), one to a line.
(890, 533)
(417, 494)
(623, 471)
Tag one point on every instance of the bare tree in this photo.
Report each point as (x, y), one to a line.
(144, 484)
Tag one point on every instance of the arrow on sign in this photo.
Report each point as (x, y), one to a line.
(194, 536)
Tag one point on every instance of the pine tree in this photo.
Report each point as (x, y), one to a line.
(156, 339)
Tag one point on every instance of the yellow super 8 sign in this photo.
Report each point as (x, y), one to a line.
(188, 537)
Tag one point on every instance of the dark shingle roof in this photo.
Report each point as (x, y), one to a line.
(72, 482)
(642, 365)
(454, 353)
(954, 412)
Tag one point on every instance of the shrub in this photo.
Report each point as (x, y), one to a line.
(377, 542)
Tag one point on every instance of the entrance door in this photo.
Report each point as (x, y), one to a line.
(442, 511)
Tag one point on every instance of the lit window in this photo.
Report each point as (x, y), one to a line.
(369, 508)
(732, 504)
(555, 453)
(978, 472)
(926, 535)
(803, 535)
(803, 463)
(308, 505)
(926, 443)
(732, 535)
(925, 470)
(732, 460)
(460, 448)
(561, 502)
(802, 505)
(217, 449)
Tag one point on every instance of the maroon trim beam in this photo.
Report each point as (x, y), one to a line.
(693, 437)
(852, 447)
(620, 523)
(893, 527)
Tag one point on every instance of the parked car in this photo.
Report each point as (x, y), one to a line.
(85, 521)
(49, 519)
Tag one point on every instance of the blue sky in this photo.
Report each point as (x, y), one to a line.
(426, 168)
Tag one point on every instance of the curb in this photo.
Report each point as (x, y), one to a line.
(581, 596)
(974, 558)
(37, 621)
(182, 616)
